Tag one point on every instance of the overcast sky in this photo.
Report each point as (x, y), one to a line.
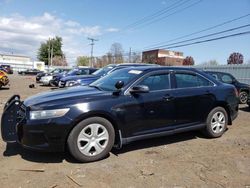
(24, 24)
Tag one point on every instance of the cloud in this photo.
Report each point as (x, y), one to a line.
(23, 35)
(112, 29)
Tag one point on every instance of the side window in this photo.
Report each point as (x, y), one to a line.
(186, 80)
(156, 82)
(226, 78)
(215, 76)
(84, 71)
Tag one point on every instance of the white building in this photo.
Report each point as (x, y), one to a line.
(19, 62)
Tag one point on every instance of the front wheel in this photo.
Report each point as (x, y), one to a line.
(243, 97)
(91, 139)
(216, 123)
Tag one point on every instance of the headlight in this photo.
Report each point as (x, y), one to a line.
(47, 114)
(71, 83)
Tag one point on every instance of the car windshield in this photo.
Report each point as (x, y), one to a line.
(55, 71)
(103, 71)
(72, 72)
(107, 83)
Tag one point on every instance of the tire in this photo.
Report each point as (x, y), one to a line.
(214, 126)
(243, 96)
(85, 146)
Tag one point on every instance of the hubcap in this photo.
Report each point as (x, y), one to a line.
(93, 139)
(218, 122)
(243, 97)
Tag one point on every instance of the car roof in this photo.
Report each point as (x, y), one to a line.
(217, 72)
(155, 68)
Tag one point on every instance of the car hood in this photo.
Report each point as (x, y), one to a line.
(64, 96)
(243, 85)
(68, 78)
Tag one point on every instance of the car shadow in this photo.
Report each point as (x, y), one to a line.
(159, 141)
(13, 149)
(4, 88)
(245, 108)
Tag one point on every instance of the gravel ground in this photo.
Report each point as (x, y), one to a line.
(183, 160)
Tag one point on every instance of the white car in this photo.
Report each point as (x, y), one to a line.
(45, 80)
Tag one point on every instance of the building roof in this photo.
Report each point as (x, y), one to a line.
(13, 55)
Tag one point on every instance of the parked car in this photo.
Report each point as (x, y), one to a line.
(8, 68)
(76, 71)
(88, 79)
(29, 72)
(243, 89)
(4, 80)
(127, 105)
(3, 69)
(52, 72)
(248, 101)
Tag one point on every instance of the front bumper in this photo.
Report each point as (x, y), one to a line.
(44, 135)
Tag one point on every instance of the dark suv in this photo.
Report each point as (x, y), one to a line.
(243, 89)
(127, 105)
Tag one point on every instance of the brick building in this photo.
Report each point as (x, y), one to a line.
(163, 57)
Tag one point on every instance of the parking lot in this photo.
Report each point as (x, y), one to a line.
(183, 160)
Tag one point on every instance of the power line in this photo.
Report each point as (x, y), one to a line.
(154, 17)
(173, 13)
(201, 31)
(157, 14)
(204, 36)
(213, 39)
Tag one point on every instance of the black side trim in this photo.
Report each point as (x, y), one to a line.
(164, 133)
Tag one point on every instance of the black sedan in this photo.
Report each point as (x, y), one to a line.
(127, 105)
(29, 72)
(243, 89)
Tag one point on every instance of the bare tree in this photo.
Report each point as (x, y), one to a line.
(116, 51)
(136, 57)
(59, 61)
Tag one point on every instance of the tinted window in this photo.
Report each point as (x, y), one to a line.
(226, 78)
(215, 76)
(156, 82)
(185, 80)
(83, 71)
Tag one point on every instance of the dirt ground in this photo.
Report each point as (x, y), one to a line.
(183, 160)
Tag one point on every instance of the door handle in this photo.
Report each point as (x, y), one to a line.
(168, 98)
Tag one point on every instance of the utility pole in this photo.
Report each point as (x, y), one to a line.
(92, 46)
(49, 53)
(129, 55)
(51, 58)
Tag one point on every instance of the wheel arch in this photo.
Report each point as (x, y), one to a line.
(104, 115)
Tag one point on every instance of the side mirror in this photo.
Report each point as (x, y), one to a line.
(139, 89)
(119, 85)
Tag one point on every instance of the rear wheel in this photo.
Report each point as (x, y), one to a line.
(91, 139)
(216, 123)
(243, 97)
